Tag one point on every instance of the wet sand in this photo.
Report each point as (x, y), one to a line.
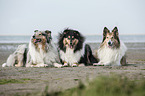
(27, 81)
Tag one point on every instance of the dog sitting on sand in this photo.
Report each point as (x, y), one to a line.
(112, 49)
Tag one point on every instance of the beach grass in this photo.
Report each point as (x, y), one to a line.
(7, 81)
(105, 86)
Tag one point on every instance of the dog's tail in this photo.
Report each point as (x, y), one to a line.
(10, 61)
(19, 56)
(89, 58)
(4, 65)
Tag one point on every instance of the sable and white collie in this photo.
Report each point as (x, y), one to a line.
(71, 50)
(42, 52)
(112, 49)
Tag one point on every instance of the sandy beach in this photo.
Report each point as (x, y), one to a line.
(25, 81)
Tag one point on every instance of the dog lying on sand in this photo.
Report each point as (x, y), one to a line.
(112, 50)
(41, 52)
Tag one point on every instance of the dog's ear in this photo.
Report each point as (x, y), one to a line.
(105, 31)
(116, 35)
(48, 36)
(36, 31)
(48, 32)
(115, 31)
(66, 31)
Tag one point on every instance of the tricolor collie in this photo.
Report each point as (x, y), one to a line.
(42, 51)
(112, 49)
(71, 48)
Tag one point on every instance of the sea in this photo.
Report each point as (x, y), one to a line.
(88, 39)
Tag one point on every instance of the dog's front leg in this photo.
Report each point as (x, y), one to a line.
(98, 64)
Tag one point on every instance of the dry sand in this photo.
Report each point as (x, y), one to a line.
(23, 81)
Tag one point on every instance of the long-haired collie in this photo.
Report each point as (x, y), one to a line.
(71, 51)
(42, 52)
(112, 49)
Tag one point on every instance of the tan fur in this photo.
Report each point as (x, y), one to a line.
(110, 36)
(66, 42)
(39, 35)
(75, 41)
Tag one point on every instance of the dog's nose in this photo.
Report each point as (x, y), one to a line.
(33, 36)
(70, 43)
(109, 43)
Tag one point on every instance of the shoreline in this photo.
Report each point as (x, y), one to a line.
(135, 52)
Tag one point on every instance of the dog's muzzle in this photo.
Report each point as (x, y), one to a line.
(110, 44)
(37, 40)
(71, 45)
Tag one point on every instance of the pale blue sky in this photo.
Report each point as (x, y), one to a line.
(22, 17)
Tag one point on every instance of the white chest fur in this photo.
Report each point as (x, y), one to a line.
(110, 56)
(70, 57)
(107, 55)
(40, 56)
(36, 56)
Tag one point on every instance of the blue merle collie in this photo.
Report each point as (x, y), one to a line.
(41, 52)
(71, 51)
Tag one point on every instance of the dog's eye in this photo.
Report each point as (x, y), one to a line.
(107, 37)
(68, 37)
(40, 34)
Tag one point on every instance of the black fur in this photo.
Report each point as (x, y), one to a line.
(88, 57)
(48, 36)
(69, 32)
(25, 57)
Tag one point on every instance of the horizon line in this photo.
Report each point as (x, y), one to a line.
(57, 34)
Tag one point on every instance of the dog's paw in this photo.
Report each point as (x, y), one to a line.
(45, 65)
(57, 65)
(65, 65)
(17, 65)
(39, 65)
(98, 64)
(30, 65)
(74, 65)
